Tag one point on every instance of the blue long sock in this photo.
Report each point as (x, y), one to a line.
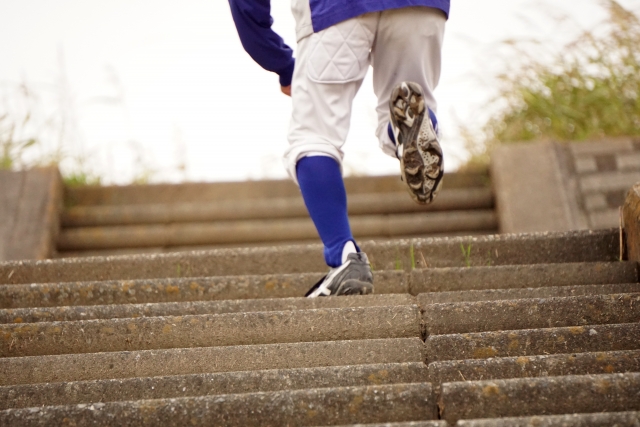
(324, 195)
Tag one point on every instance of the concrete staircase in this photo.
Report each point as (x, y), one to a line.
(511, 330)
(168, 218)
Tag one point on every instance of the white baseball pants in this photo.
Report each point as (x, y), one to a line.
(400, 44)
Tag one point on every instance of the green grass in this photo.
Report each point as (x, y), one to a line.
(466, 254)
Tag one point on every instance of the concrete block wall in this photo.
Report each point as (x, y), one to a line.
(30, 208)
(560, 187)
(604, 171)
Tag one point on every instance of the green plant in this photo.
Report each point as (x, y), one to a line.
(412, 256)
(466, 254)
(13, 146)
(590, 89)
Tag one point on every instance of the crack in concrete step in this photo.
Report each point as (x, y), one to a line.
(575, 246)
(324, 406)
(525, 293)
(606, 419)
(539, 396)
(607, 362)
(178, 290)
(531, 342)
(505, 315)
(123, 311)
(183, 361)
(67, 393)
(93, 336)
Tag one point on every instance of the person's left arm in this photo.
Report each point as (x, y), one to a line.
(253, 21)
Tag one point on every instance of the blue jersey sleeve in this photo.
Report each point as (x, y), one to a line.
(253, 21)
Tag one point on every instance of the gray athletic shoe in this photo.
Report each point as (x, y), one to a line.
(421, 162)
(354, 277)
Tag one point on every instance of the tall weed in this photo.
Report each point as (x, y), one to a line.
(589, 90)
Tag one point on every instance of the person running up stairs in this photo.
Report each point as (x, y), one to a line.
(337, 40)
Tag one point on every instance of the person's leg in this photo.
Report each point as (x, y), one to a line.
(323, 191)
(323, 88)
(406, 61)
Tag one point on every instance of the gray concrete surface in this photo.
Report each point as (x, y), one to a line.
(123, 311)
(324, 406)
(582, 246)
(67, 393)
(150, 363)
(511, 294)
(267, 189)
(605, 419)
(150, 333)
(505, 315)
(530, 192)
(530, 342)
(269, 230)
(548, 365)
(30, 208)
(521, 276)
(244, 209)
(540, 396)
(407, 424)
(178, 290)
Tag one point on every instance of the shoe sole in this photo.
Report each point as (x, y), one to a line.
(354, 287)
(421, 161)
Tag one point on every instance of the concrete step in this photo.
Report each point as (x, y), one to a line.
(511, 294)
(178, 290)
(68, 393)
(111, 335)
(505, 315)
(124, 311)
(552, 365)
(314, 241)
(264, 189)
(530, 342)
(243, 209)
(150, 363)
(539, 396)
(146, 291)
(541, 248)
(605, 419)
(269, 230)
(522, 276)
(324, 406)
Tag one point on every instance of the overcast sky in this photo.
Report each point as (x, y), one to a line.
(168, 83)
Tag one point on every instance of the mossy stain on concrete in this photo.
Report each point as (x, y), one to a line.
(484, 352)
(170, 289)
(355, 404)
(522, 361)
(491, 390)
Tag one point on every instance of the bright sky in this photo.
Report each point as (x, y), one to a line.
(168, 83)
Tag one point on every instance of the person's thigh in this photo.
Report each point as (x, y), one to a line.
(330, 67)
(407, 48)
